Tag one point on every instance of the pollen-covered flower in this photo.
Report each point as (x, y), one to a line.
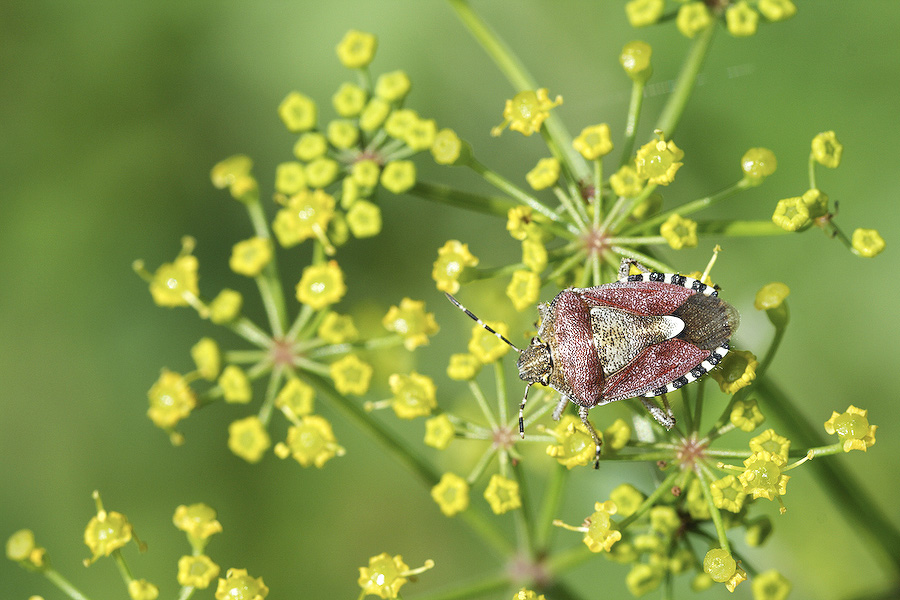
(527, 111)
(728, 493)
(523, 289)
(235, 385)
(763, 477)
(357, 49)
(741, 20)
(626, 182)
(306, 215)
(175, 283)
(250, 257)
(463, 367)
(349, 100)
(365, 173)
(827, 150)
(398, 176)
(601, 533)
(439, 432)
(635, 60)
(593, 142)
(451, 494)
(867, 242)
(757, 163)
(574, 445)
(310, 442)
(502, 494)
(745, 414)
(197, 520)
(693, 17)
(736, 371)
(453, 257)
(298, 112)
(248, 438)
(225, 307)
(544, 175)
(777, 10)
(364, 219)
(769, 441)
(386, 574)
(239, 585)
(658, 161)
(171, 400)
(351, 375)
(107, 532)
(641, 13)
(413, 395)
(792, 214)
(770, 585)
(447, 147)
(321, 285)
(485, 345)
(197, 571)
(679, 232)
(852, 428)
(412, 322)
(141, 589)
(421, 135)
(296, 397)
(616, 436)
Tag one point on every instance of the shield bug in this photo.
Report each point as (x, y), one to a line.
(645, 335)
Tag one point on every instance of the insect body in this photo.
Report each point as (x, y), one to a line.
(644, 335)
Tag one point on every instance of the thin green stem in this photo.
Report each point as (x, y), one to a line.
(706, 479)
(644, 259)
(251, 332)
(476, 589)
(684, 85)
(662, 489)
(812, 172)
(523, 519)
(842, 486)
(732, 228)
(553, 496)
(483, 461)
(63, 584)
(407, 456)
(519, 77)
(687, 208)
(490, 205)
(275, 379)
(269, 282)
(483, 404)
(634, 116)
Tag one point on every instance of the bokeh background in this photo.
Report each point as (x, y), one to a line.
(111, 115)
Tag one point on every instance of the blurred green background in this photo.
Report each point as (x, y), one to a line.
(111, 115)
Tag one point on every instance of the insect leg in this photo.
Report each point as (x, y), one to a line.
(557, 412)
(583, 413)
(522, 412)
(666, 419)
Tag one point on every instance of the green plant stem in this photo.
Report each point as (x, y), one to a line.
(553, 495)
(642, 258)
(812, 172)
(728, 227)
(269, 282)
(63, 584)
(471, 590)
(840, 484)
(275, 379)
(251, 332)
(523, 517)
(688, 208)
(474, 517)
(684, 85)
(482, 404)
(490, 205)
(646, 505)
(634, 116)
(706, 480)
(521, 80)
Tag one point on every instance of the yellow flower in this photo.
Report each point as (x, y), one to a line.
(107, 532)
(197, 520)
(413, 395)
(386, 574)
(519, 222)
(351, 375)
(342, 133)
(867, 242)
(853, 429)
(365, 173)
(738, 577)
(771, 295)
(601, 533)
(399, 176)
(544, 175)
(593, 142)
(728, 493)
(641, 13)
(451, 494)
(392, 86)
(792, 214)
(679, 232)
(763, 477)
(235, 385)
(175, 283)
(290, 178)
(321, 171)
(310, 442)
(310, 146)
(227, 171)
(306, 215)
(574, 445)
(412, 322)
(463, 367)
(439, 432)
(502, 494)
(349, 100)
(524, 289)
(658, 161)
(296, 397)
(141, 589)
(171, 400)
(364, 219)
(757, 164)
(447, 147)
(321, 285)
(741, 20)
(745, 415)
(250, 257)
(248, 439)
(534, 254)
(626, 182)
(770, 585)
(357, 49)
(635, 60)
(337, 329)
(239, 585)
(225, 307)
(527, 111)
(827, 150)
(374, 114)
(769, 441)
(298, 112)
(736, 371)
(693, 18)
(197, 571)
(616, 436)
(453, 257)
(485, 345)
(421, 135)
(777, 10)
(719, 564)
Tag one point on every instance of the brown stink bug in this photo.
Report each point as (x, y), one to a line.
(644, 335)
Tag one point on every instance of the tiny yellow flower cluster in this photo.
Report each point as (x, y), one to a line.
(386, 574)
